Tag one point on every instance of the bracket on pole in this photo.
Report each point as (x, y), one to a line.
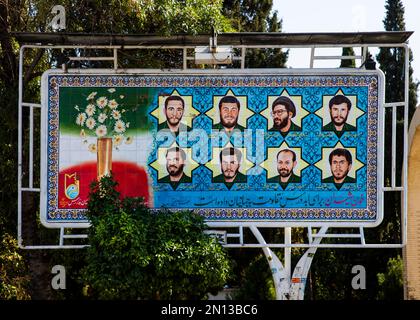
(213, 42)
(213, 54)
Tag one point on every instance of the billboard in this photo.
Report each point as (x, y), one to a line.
(272, 148)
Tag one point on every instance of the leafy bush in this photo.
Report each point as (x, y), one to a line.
(257, 283)
(391, 282)
(13, 274)
(137, 253)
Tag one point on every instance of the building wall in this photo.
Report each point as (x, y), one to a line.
(412, 250)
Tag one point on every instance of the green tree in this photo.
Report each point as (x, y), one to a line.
(135, 253)
(248, 15)
(164, 17)
(391, 60)
(257, 281)
(348, 63)
(256, 16)
(391, 282)
(14, 280)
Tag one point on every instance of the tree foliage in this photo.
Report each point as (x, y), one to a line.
(14, 280)
(121, 16)
(330, 276)
(392, 60)
(136, 253)
(348, 63)
(256, 16)
(391, 281)
(257, 281)
(248, 15)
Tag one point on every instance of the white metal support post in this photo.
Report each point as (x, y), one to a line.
(288, 286)
(288, 254)
(300, 274)
(281, 281)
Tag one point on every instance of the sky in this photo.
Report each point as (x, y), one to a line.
(343, 16)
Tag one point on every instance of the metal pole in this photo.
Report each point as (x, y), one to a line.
(61, 236)
(288, 253)
(311, 62)
(243, 53)
(115, 58)
(275, 266)
(405, 155)
(19, 231)
(31, 146)
(394, 146)
(300, 274)
(184, 59)
(364, 54)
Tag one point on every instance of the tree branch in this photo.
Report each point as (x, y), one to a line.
(28, 74)
(9, 60)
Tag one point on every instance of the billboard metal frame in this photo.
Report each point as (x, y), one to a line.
(316, 232)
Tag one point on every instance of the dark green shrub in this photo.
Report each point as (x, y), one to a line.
(14, 280)
(137, 253)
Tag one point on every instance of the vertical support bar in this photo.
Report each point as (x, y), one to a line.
(241, 235)
(61, 236)
(19, 175)
(115, 58)
(277, 269)
(363, 54)
(297, 287)
(394, 146)
(310, 238)
(311, 63)
(405, 154)
(31, 146)
(184, 59)
(288, 253)
(243, 54)
(362, 235)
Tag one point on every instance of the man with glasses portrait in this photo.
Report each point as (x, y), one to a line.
(283, 110)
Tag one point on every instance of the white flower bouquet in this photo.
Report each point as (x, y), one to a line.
(103, 117)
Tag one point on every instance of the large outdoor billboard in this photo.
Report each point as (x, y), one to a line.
(290, 147)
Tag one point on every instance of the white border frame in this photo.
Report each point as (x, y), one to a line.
(222, 72)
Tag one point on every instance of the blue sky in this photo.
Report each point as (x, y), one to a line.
(343, 16)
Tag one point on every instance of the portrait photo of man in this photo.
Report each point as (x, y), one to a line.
(175, 163)
(286, 162)
(283, 111)
(230, 162)
(229, 108)
(174, 110)
(339, 108)
(340, 164)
